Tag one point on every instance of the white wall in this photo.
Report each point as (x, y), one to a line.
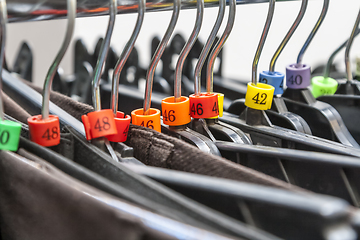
(45, 37)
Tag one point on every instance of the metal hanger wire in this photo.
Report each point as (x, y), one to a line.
(313, 32)
(71, 15)
(208, 44)
(125, 55)
(219, 45)
(102, 56)
(157, 56)
(289, 34)
(185, 51)
(348, 47)
(264, 34)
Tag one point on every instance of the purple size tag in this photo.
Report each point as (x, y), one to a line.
(298, 77)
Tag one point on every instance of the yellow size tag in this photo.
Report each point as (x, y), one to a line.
(221, 105)
(259, 97)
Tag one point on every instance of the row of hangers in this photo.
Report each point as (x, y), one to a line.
(253, 127)
(264, 131)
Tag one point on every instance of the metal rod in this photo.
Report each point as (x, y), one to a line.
(219, 45)
(186, 49)
(157, 56)
(313, 32)
(3, 21)
(333, 55)
(125, 55)
(348, 47)
(208, 44)
(288, 35)
(71, 6)
(102, 56)
(40, 10)
(262, 41)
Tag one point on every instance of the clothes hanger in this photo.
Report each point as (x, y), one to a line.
(346, 105)
(279, 115)
(101, 124)
(146, 116)
(122, 120)
(176, 109)
(262, 131)
(335, 129)
(217, 129)
(276, 79)
(150, 118)
(45, 128)
(328, 70)
(322, 173)
(261, 207)
(351, 86)
(298, 98)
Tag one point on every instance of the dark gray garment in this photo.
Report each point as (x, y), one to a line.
(39, 202)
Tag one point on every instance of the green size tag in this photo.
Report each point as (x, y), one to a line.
(322, 86)
(9, 135)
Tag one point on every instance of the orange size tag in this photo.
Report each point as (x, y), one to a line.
(99, 124)
(151, 121)
(176, 113)
(204, 106)
(45, 132)
(122, 122)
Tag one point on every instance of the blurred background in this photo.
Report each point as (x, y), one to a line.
(45, 37)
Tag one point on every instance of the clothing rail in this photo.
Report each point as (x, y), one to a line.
(37, 10)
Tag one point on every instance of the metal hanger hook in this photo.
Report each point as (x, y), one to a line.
(262, 41)
(289, 34)
(208, 44)
(157, 56)
(348, 47)
(219, 45)
(71, 15)
(313, 32)
(186, 49)
(102, 56)
(333, 55)
(3, 19)
(125, 55)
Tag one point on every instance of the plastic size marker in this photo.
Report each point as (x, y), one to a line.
(122, 123)
(99, 124)
(259, 97)
(275, 79)
(151, 121)
(45, 132)
(298, 77)
(220, 104)
(322, 86)
(9, 135)
(176, 113)
(205, 105)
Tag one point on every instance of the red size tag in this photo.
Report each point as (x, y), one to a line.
(45, 132)
(122, 122)
(204, 106)
(99, 124)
